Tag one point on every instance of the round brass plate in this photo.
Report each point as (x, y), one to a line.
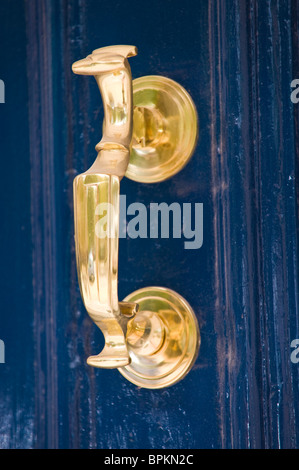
(176, 345)
(164, 129)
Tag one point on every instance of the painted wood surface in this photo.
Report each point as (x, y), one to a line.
(237, 59)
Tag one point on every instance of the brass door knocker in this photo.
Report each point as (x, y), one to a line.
(149, 134)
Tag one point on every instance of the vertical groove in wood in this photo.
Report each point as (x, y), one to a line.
(277, 218)
(294, 24)
(250, 288)
(212, 87)
(43, 219)
(261, 342)
(295, 64)
(253, 164)
(219, 325)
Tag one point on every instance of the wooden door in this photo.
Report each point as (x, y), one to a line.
(237, 59)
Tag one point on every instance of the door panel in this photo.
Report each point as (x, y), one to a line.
(237, 59)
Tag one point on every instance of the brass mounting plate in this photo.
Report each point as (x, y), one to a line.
(179, 348)
(165, 129)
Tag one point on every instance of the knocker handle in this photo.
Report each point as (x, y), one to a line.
(152, 336)
(96, 205)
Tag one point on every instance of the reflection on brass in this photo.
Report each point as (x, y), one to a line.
(176, 339)
(152, 336)
(164, 130)
(97, 258)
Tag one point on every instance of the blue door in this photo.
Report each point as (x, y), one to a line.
(237, 59)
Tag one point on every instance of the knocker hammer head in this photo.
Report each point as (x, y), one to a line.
(105, 59)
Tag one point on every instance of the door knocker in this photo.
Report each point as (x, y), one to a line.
(149, 134)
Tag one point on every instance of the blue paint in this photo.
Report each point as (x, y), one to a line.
(237, 59)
